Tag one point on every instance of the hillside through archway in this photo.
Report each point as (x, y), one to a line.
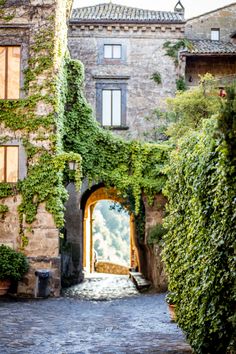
(109, 235)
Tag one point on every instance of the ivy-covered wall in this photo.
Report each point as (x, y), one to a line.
(199, 247)
(134, 168)
(34, 207)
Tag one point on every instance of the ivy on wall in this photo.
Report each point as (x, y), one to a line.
(199, 246)
(172, 49)
(130, 166)
(47, 161)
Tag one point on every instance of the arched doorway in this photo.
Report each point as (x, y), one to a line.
(102, 194)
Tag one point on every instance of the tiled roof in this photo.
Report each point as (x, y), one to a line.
(210, 47)
(117, 13)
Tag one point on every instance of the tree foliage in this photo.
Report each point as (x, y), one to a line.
(189, 108)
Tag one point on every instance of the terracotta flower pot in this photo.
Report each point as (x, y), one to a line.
(172, 312)
(4, 286)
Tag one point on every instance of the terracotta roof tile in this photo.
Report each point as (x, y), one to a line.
(110, 12)
(210, 47)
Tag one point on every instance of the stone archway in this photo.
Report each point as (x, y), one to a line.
(99, 194)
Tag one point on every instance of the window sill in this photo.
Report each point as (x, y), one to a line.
(121, 127)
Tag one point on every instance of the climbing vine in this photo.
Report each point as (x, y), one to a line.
(130, 166)
(172, 49)
(41, 134)
(200, 243)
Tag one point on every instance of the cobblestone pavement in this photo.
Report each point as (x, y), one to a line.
(71, 325)
(103, 287)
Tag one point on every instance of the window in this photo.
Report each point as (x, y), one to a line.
(111, 102)
(112, 51)
(9, 156)
(9, 72)
(111, 107)
(215, 34)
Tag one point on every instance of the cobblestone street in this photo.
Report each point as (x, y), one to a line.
(131, 323)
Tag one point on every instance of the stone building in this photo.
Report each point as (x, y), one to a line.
(212, 46)
(32, 47)
(122, 48)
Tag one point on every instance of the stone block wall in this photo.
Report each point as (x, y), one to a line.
(111, 268)
(200, 26)
(25, 24)
(144, 55)
(151, 262)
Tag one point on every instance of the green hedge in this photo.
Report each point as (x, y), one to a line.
(199, 249)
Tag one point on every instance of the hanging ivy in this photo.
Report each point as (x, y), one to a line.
(130, 166)
(199, 250)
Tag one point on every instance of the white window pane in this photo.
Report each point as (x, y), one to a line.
(106, 107)
(12, 164)
(215, 35)
(117, 51)
(108, 51)
(116, 107)
(2, 163)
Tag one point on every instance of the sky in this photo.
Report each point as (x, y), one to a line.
(192, 7)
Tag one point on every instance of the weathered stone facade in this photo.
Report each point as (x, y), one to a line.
(224, 18)
(21, 24)
(217, 57)
(142, 43)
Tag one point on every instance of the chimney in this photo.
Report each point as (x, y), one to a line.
(179, 8)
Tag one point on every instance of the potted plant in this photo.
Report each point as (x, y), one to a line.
(171, 301)
(13, 265)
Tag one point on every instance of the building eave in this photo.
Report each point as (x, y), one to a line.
(122, 22)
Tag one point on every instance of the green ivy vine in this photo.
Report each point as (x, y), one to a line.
(46, 163)
(131, 167)
(199, 248)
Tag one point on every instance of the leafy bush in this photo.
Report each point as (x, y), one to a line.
(189, 108)
(200, 243)
(13, 265)
(156, 234)
(181, 84)
(156, 77)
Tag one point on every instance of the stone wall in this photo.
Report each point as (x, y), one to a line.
(150, 256)
(21, 24)
(111, 268)
(144, 55)
(224, 18)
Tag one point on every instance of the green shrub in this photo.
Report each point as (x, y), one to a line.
(181, 84)
(156, 234)
(13, 265)
(200, 243)
(156, 77)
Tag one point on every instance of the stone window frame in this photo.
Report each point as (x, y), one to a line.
(215, 30)
(112, 84)
(13, 41)
(22, 158)
(112, 61)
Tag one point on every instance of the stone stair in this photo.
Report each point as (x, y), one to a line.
(140, 281)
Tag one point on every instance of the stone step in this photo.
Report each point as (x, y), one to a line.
(140, 281)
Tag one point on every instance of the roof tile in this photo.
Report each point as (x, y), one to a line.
(118, 13)
(210, 47)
